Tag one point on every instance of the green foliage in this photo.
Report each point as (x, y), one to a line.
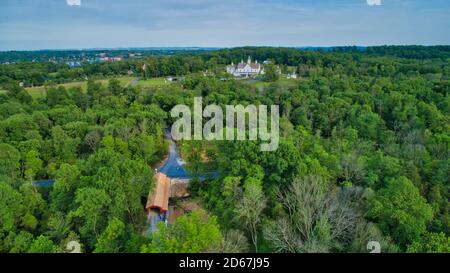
(10, 208)
(373, 126)
(192, 233)
(401, 210)
(271, 73)
(9, 161)
(57, 96)
(33, 164)
(22, 242)
(92, 206)
(42, 245)
(431, 243)
(111, 240)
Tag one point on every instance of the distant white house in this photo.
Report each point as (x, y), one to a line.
(247, 69)
(292, 75)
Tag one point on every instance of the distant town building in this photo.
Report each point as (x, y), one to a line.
(110, 59)
(248, 69)
(73, 64)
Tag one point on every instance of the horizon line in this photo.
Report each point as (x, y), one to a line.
(209, 47)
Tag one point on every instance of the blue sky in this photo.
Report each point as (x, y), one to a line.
(59, 24)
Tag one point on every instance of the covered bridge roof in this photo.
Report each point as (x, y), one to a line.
(159, 198)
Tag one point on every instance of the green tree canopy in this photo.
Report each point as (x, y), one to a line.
(191, 233)
(401, 210)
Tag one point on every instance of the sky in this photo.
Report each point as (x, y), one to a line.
(76, 24)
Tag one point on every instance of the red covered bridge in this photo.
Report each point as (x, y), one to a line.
(159, 198)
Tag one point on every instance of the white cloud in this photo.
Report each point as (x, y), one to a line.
(374, 2)
(74, 2)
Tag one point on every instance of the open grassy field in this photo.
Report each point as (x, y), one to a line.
(39, 92)
(155, 82)
(283, 82)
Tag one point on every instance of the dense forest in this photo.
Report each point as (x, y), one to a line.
(363, 155)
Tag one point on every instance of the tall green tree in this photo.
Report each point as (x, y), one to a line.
(401, 211)
(112, 239)
(271, 73)
(42, 244)
(249, 209)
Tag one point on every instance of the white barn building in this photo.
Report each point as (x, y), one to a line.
(247, 69)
